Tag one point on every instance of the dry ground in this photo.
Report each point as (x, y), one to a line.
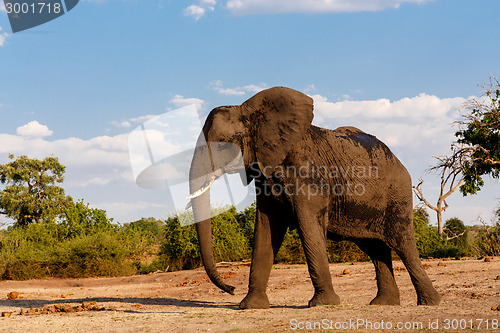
(186, 302)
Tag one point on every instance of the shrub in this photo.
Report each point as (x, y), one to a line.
(429, 244)
(99, 254)
(230, 243)
(456, 235)
(426, 236)
(86, 244)
(146, 226)
(246, 221)
(291, 251)
(80, 219)
(344, 251)
(180, 249)
(487, 241)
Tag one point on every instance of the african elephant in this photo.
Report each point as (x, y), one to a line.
(337, 184)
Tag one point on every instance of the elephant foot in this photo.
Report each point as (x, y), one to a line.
(324, 298)
(432, 298)
(385, 300)
(255, 301)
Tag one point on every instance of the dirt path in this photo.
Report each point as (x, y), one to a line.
(186, 302)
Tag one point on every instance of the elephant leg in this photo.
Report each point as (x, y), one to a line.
(380, 253)
(270, 229)
(313, 237)
(426, 294)
(406, 247)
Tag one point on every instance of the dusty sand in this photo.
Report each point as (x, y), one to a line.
(186, 302)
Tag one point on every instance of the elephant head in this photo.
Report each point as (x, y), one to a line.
(264, 129)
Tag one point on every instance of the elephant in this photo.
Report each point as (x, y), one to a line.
(340, 184)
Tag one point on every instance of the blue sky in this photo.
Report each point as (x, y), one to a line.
(77, 86)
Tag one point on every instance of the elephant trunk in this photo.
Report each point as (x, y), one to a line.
(202, 215)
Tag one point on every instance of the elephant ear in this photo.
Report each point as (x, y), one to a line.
(280, 118)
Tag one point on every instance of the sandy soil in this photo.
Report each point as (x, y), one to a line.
(187, 302)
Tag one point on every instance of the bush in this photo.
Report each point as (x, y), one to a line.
(291, 251)
(99, 254)
(487, 241)
(246, 221)
(146, 226)
(86, 244)
(143, 239)
(426, 236)
(456, 235)
(180, 249)
(345, 251)
(80, 219)
(429, 244)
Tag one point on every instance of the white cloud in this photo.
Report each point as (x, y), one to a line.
(3, 37)
(237, 91)
(409, 122)
(244, 7)
(34, 129)
(208, 3)
(88, 161)
(421, 106)
(141, 119)
(95, 168)
(197, 11)
(129, 122)
(179, 101)
(309, 89)
(123, 124)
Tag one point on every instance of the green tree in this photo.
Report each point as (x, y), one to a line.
(426, 236)
(246, 221)
(79, 219)
(480, 138)
(31, 193)
(456, 233)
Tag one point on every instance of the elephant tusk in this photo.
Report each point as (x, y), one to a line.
(203, 188)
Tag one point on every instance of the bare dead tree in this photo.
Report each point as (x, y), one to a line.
(450, 170)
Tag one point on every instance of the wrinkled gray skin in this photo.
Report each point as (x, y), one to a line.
(372, 208)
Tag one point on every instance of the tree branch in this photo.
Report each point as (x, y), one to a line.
(455, 236)
(418, 192)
